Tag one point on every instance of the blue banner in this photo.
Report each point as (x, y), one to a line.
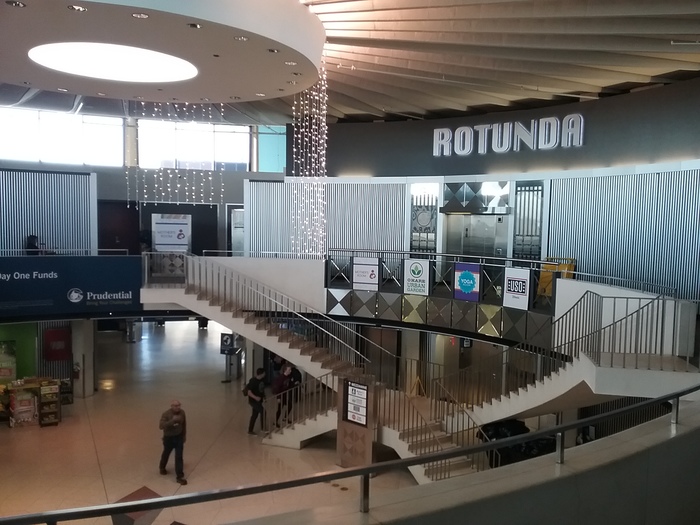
(55, 285)
(466, 285)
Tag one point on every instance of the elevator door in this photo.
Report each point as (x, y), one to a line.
(480, 235)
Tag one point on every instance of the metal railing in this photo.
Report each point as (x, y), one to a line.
(58, 252)
(339, 264)
(364, 473)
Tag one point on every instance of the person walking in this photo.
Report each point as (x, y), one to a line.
(173, 423)
(256, 397)
(282, 388)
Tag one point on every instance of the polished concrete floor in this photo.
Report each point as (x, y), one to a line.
(108, 445)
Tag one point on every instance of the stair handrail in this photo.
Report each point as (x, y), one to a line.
(474, 425)
(306, 307)
(411, 414)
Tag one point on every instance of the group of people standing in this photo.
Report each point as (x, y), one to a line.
(285, 377)
(174, 424)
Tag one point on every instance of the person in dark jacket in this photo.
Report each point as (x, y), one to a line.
(174, 426)
(282, 388)
(256, 398)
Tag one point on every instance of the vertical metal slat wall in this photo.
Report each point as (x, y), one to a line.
(642, 227)
(57, 207)
(527, 242)
(360, 215)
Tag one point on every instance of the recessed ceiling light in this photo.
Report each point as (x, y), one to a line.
(100, 94)
(15, 4)
(195, 26)
(271, 50)
(292, 82)
(62, 90)
(296, 74)
(112, 62)
(216, 56)
(139, 15)
(138, 98)
(159, 89)
(290, 63)
(205, 99)
(280, 89)
(260, 95)
(241, 38)
(235, 98)
(27, 83)
(77, 8)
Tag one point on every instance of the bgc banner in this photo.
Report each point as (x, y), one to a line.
(467, 281)
(56, 285)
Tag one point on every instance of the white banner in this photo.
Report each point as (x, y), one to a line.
(416, 273)
(516, 292)
(365, 273)
(171, 232)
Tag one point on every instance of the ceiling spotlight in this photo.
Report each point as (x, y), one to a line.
(77, 8)
(280, 89)
(100, 94)
(292, 82)
(62, 90)
(138, 98)
(271, 50)
(195, 26)
(139, 15)
(241, 38)
(296, 74)
(290, 63)
(27, 83)
(15, 4)
(260, 95)
(235, 98)
(205, 99)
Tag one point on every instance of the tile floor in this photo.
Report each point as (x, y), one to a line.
(108, 445)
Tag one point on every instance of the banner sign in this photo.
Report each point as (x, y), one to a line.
(467, 281)
(55, 285)
(365, 273)
(416, 274)
(516, 292)
(171, 232)
(227, 345)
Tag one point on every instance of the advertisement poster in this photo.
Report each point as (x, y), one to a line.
(516, 292)
(50, 286)
(467, 281)
(365, 273)
(416, 273)
(171, 232)
(57, 344)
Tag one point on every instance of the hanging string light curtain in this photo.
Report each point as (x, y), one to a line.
(309, 169)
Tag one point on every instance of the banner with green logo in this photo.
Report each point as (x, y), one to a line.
(416, 274)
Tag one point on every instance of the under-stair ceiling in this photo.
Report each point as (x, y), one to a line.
(423, 59)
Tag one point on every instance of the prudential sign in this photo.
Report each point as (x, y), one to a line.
(416, 276)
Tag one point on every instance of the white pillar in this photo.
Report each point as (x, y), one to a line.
(83, 340)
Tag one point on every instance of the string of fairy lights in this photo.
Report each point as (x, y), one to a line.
(309, 167)
(186, 184)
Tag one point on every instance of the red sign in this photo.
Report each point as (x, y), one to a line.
(57, 345)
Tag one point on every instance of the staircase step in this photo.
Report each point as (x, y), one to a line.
(435, 426)
(457, 467)
(320, 356)
(311, 350)
(428, 441)
(337, 365)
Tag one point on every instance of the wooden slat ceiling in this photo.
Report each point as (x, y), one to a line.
(422, 59)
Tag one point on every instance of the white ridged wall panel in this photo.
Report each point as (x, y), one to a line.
(359, 215)
(642, 227)
(58, 207)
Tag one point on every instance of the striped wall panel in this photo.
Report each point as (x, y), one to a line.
(55, 369)
(642, 227)
(360, 216)
(58, 207)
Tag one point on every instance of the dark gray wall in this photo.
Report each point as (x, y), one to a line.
(647, 127)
